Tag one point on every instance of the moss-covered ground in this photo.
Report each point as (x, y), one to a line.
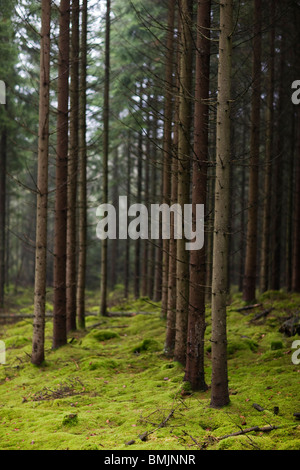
(112, 383)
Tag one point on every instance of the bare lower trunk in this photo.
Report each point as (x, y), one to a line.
(82, 183)
(72, 173)
(219, 384)
(103, 299)
(38, 339)
(251, 243)
(184, 151)
(60, 229)
(196, 322)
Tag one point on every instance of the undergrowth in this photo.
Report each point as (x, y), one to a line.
(111, 387)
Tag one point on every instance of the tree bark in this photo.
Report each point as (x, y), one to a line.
(219, 384)
(251, 240)
(61, 202)
(103, 298)
(184, 151)
(196, 321)
(72, 173)
(38, 339)
(265, 247)
(82, 182)
(167, 142)
(3, 161)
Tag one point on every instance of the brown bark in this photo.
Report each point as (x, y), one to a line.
(184, 150)
(82, 182)
(251, 240)
(196, 321)
(72, 172)
(167, 142)
(103, 298)
(171, 312)
(3, 161)
(38, 339)
(219, 384)
(60, 228)
(265, 247)
(296, 229)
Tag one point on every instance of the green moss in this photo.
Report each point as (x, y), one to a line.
(104, 335)
(116, 394)
(147, 345)
(276, 345)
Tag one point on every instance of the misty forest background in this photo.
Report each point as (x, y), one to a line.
(160, 101)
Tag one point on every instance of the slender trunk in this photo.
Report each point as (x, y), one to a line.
(72, 172)
(38, 339)
(278, 179)
(184, 150)
(196, 322)
(3, 161)
(265, 252)
(137, 266)
(167, 142)
(219, 384)
(296, 229)
(127, 249)
(61, 202)
(251, 243)
(103, 299)
(115, 243)
(82, 183)
(171, 313)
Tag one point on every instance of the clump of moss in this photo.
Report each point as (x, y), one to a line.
(104, 335)
(70, 419)
(147, 345)
(275, 345)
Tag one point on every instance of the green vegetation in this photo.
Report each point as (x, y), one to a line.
(112, 383)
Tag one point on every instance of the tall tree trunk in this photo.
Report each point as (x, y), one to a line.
(103, 299)
(167, 142)
(184, 151)
(278, 178)
(296, 229)
(3, 161)
(219, 384)
(127, 247)
(137, 261)
(38, 339)
(72, 172)
(171, 312)
(82, 183)
(265, 247)
(251, 241)
(196, 322)
(61, 202)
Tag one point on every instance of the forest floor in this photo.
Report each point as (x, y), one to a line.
(112, 388)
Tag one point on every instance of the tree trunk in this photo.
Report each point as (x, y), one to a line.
(251, 241)
(72, 172)
(167, 142)
(265, 247)
(82, 183)
(184, 150)
(103, 299)
(60, 228)
(196, 322)
(219, 385)
(3, 161)
(171, 312)
(38, 339)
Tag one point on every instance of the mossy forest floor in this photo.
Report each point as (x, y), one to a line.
(112, 383)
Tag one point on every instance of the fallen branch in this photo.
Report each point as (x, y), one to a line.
(262, 314)
(245, 431)
(248, 307)
(145, 434)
